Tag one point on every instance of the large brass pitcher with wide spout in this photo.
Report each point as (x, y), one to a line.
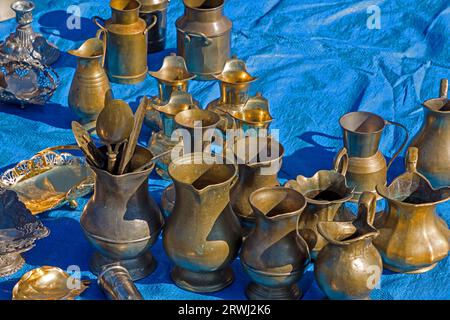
(433, 140)
(366, 166)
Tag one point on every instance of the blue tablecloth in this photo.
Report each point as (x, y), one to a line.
(315, 59)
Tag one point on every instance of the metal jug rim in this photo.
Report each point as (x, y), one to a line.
(381, 125)
(201, 2)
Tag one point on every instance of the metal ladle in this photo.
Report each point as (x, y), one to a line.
(114, 125)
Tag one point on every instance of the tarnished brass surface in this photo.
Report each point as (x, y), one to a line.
(255, 172)
(274, 255)
(90, 82)
(48, 283)
(367, 167)
(203, 37)
(433, 139)
(121, 220)
(156, 35)
(202, 235)
(413, 239)
(117, 284)
(125, 36)
(349, 266)
(50, 179)
(254, 115)
(326, 193)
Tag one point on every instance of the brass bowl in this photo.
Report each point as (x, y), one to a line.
(48, 283)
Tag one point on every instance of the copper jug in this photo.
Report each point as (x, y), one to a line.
(203, 37)
(125, 35)
(90, 82)
(413, 239)
(259, 160)
(367, 165)
(275, 255)
(433, 139)
(121, 220)
(326, 193)
(202, 235)
(156, 35)
(349, 266)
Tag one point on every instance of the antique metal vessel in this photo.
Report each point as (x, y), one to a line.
(156, 35)
(125, 36)
(259, 160)
(161, 141)
(413, 239)
(172, 76)
(234, 82)
(48, 283)
(25, 44)
(19, 230)
(90, 83)
(349, 266)
(366, 165)
(326, 193)
(117, 284)
(202, 236)
(433, 139)
(204, 37)
(121, 220)
(52, 178)
(27, 83)
(274, 255)
(6, 12)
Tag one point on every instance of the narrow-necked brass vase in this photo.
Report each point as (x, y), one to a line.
(413, 239)
(433, 140)
(156, 35)
(234, 82)
(259, 161)
(367, 165)
(204, 37)
(349, 266)
(125, 37)
(274, 255)
(90, 82)
(326, 193)
(202, 235)
(121, 220)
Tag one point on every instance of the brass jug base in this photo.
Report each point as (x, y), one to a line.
(256, 291)
(168, 200)
(10, 264)
(202, 281)
(138, 268)
(417, 271)
(128, 79)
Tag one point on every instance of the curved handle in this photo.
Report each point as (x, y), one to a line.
(308, 246)
(341, 162)
(189, 34)
(151, 25)
(412, 156)
(403, 143)
(102, 33)
(443, 90)
(367, 206)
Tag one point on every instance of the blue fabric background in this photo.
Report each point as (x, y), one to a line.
(315, 60)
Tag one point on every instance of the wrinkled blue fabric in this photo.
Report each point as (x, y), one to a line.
(315, 61)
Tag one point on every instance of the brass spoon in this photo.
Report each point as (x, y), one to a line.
(114, 125)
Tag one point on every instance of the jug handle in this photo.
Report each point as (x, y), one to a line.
(189, 34)
(367, 207)
(341, 162)
(151, 25)
(302, 240)
(403, 143)
(443, 90)
(412, 156)
(102, 31)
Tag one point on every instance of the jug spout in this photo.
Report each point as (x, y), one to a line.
(90, 49)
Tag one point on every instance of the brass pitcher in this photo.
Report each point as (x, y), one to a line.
(367, 165)
(326, 193)
(121, 220)
(157, 35)
(413, 239)
(202, 235)
(203, 37)
(275, 255)
(90, 82)
(433, 139)
(349, 266)
(125, 36)
(258, 167)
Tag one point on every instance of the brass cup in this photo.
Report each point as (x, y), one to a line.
(125, 11)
